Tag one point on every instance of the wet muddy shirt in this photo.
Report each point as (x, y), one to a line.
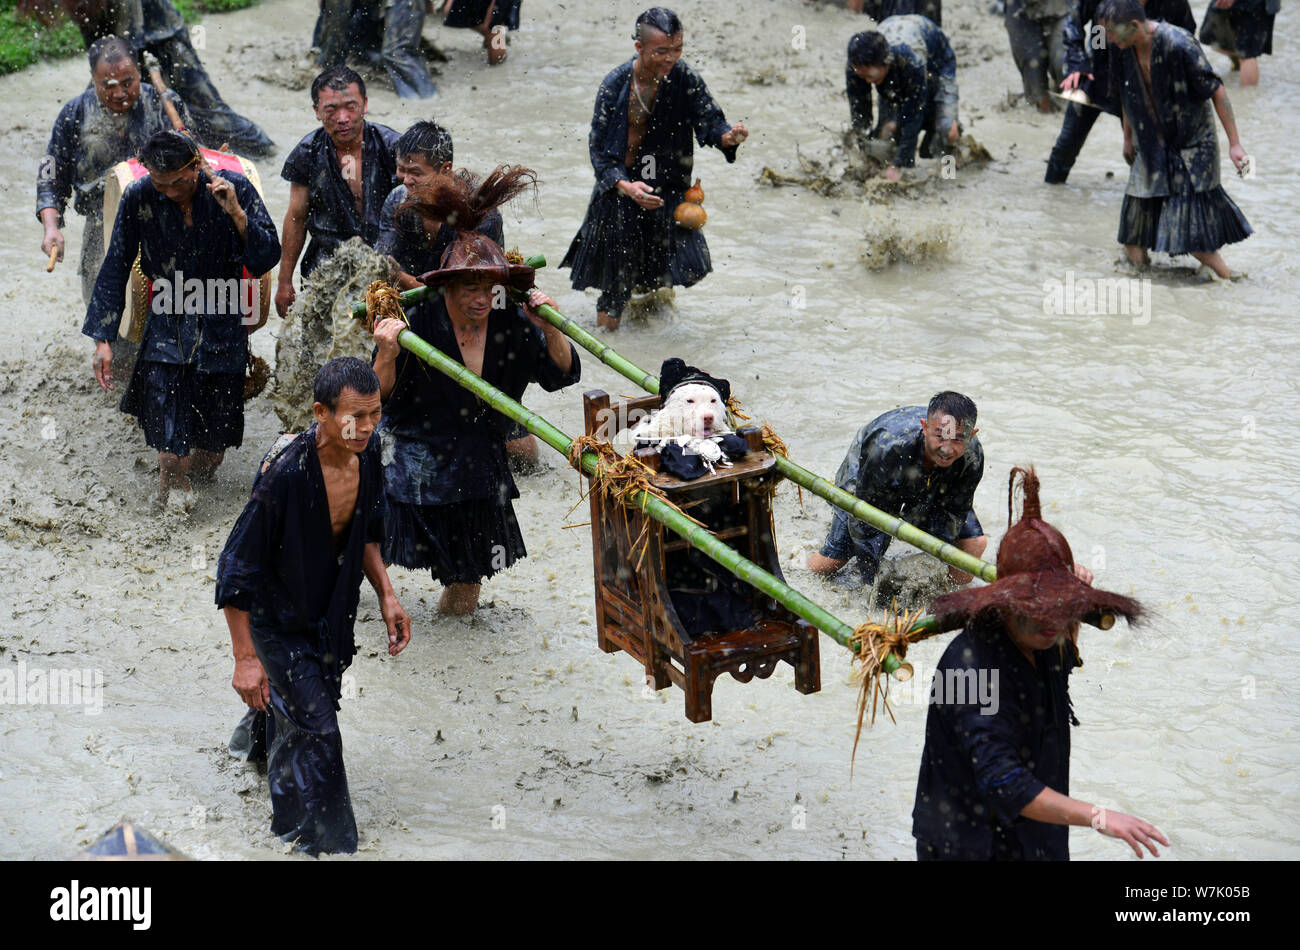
(403, 236)
(331, 212)
(922, 69)
(281, 562)
(997, 732)
(1176, 144)
(683, 108)
(1086, 49)
(885, 467)
(197, 316)
(88, 140)
(441, 443)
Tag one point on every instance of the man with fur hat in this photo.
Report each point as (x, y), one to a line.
(995, 772)
(449, 487)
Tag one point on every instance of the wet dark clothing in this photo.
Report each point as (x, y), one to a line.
(449, 486)
(331, 213)
(403, 22)
(1081, 37)
(348, 27)
(157, 27)
(470, 13)
(983, 762)
(1245, 29)
(1174, 202)
(203, 280)
(919, 91)
(86, 142)
(622, 246)
(880, 10)
(199, 328)
(1034, 28)
(403, 236)
(301, 589)
(181, 409)
(885, 468)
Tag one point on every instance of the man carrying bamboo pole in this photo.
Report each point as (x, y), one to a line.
(640, 144)
(449, 486)
(921, 464)
(994, 782)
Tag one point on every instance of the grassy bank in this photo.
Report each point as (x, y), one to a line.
(23, 42)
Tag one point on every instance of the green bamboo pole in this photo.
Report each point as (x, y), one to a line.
(898, 528)
(698, 537)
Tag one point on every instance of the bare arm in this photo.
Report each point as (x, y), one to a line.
(1053, 808)
(1236, 153)
(293, 235)
(250, 678)
(385, 365)
(395, 618)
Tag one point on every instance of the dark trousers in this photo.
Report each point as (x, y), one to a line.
(1075, 127)
(215, 123)
(309, 787)
(403, 59)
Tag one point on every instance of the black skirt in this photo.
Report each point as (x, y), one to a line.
(470, 13)
(623, 247)
(461, 543)
(181, 409)
(1247, 33)
(1180, 224)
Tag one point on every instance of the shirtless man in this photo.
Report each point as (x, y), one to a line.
(339, 176)
(289, 582)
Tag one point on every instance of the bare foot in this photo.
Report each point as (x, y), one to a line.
(605, 321)
(1045, 104)
(459, 599)
(819, 563)
(496, 46)
(1137, 256)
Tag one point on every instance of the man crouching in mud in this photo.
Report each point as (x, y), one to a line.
(289, 581)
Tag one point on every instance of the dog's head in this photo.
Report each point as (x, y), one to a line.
(694, 409)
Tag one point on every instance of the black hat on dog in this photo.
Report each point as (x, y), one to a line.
(676, 373)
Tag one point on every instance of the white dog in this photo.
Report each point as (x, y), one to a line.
(693, 416)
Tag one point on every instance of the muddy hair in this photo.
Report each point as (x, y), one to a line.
(168, 151)
(1121, 11)
(344, 372)
(948, 403)
(868, 48)
(462, 201)
(108, 49)
(657, 18)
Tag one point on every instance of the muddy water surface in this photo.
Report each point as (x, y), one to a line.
(1160, 435)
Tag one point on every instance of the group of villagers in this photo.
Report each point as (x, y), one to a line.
(403, 466)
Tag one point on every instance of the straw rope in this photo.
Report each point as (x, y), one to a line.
(618, 478)
(874, 642)
(383, 303)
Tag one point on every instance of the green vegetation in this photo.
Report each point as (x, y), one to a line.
(24, 42)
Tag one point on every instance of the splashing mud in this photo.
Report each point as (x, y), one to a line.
(320, 327)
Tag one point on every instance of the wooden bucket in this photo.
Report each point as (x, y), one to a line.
(139, 289)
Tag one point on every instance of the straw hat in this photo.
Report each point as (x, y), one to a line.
(1036, 576)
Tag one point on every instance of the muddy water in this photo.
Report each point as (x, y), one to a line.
(1160, 436)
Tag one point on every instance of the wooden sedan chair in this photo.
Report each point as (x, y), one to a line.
(634, 607)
